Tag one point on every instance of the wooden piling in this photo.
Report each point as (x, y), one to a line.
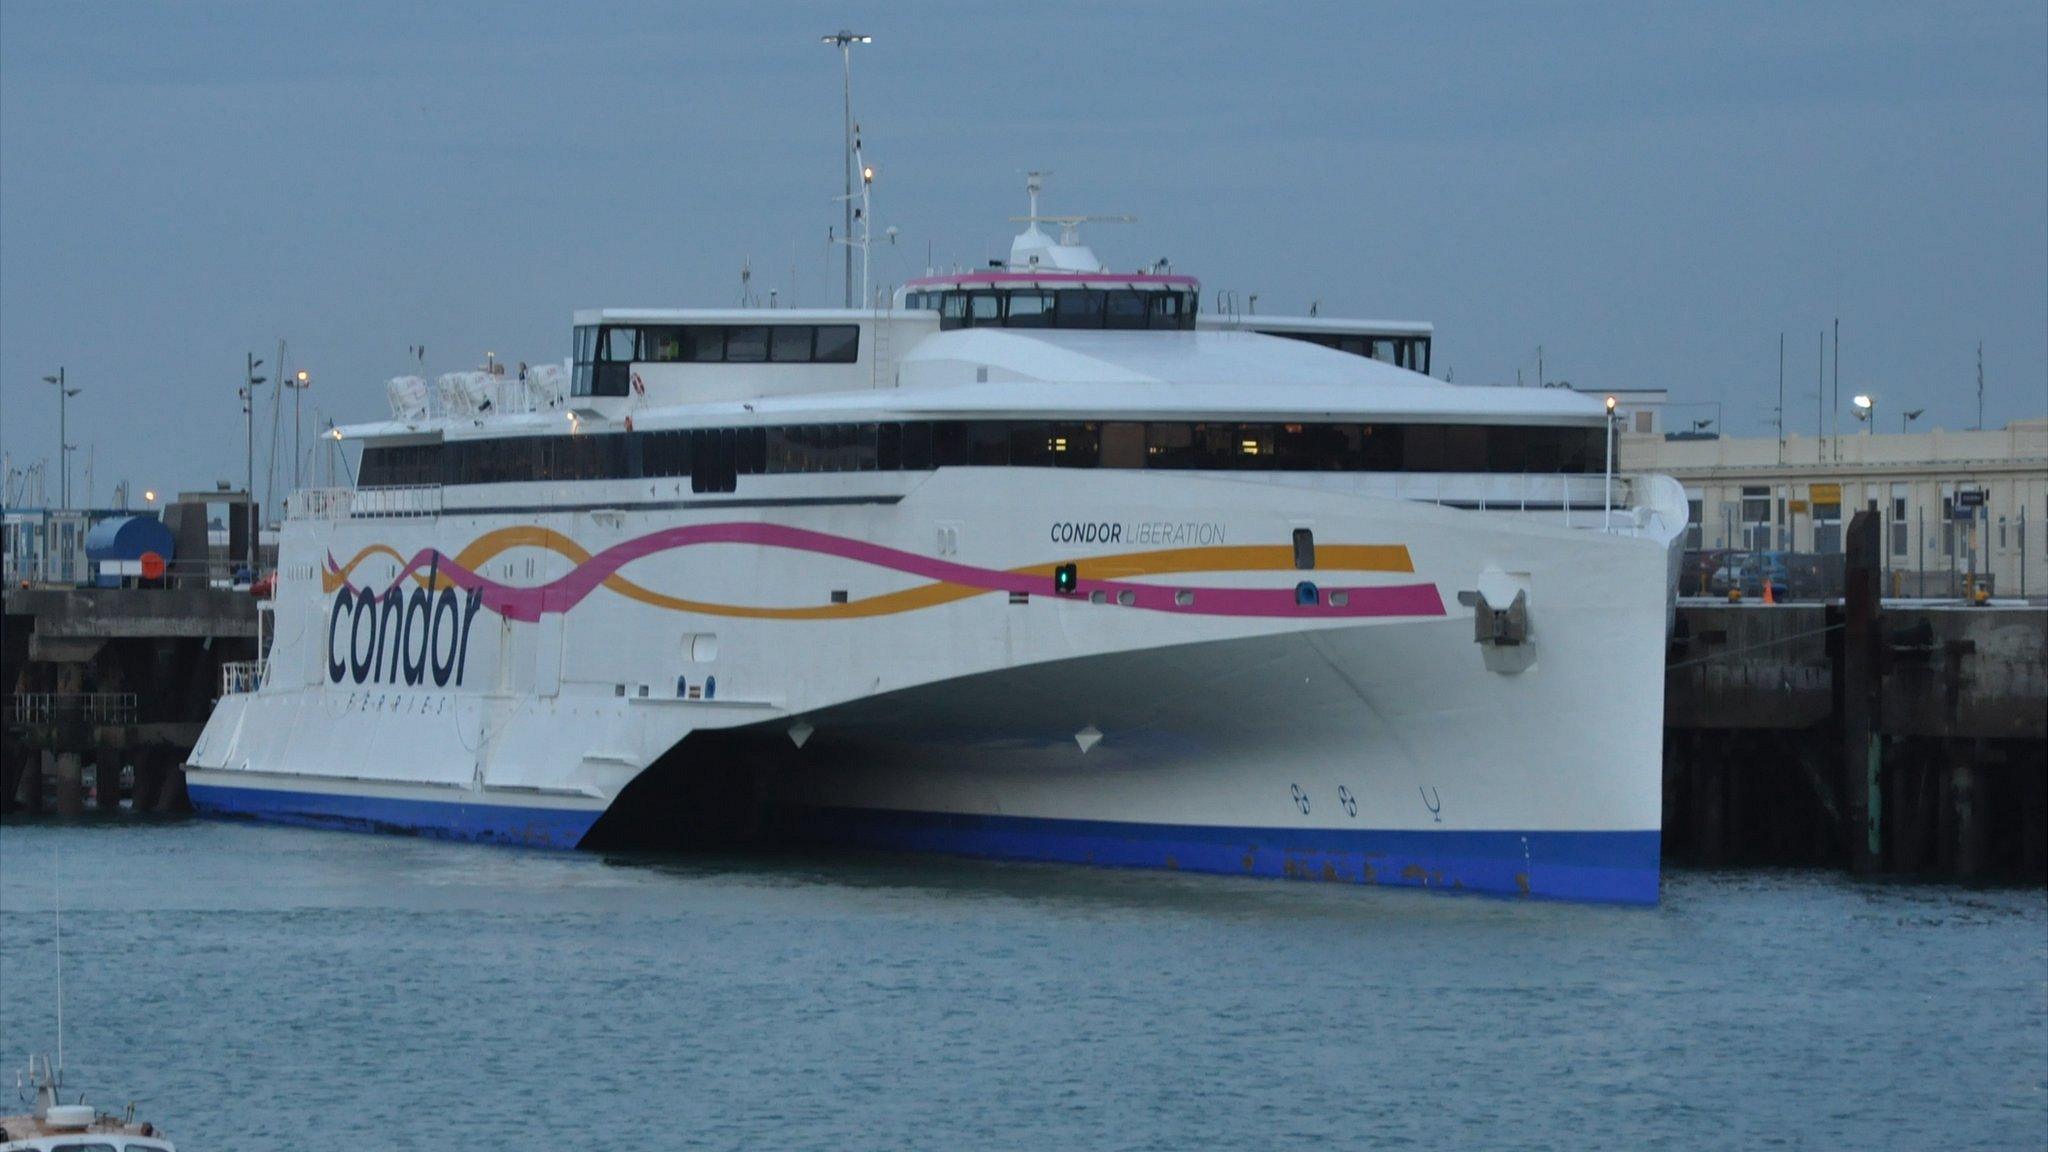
(172, 797)
(106, 783)
(1857, 670)
(70, 785)
(1709, 828)
(1966, 792)
(149, 778)
(12, 757)
(28, 793)
(2033, 822)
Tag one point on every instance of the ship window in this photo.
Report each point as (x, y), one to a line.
(791, 343)
(838, 343)
(666, 454)
(1125, 308)
(1078, 308)
(747, 344)
(988, 443)
(620, 345)
(662, 345)
(584, 354)
(1168, 445)
(1167, 309)
(703, 344)
(917, 447)
(952, 310)
(888, 447)
(984, 309)
(1030, 310)
(1123, 446)
(949, 443)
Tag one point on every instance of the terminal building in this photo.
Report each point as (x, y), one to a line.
(1955, 505)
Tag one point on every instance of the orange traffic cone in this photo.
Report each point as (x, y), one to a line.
(1769, 598)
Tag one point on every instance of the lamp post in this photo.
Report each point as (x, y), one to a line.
(251, 380)
(64, 393)
(1607, 508)
(844, 41)
(298, 387)
(1866, 408)
(1906, 418)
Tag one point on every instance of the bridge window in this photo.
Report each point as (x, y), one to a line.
(617, 348)
(1126, 309)
(584, 356)
(1077, 308)
(984, 309)
(1030, 310)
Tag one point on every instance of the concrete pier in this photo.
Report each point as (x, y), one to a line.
(1902, 737)
(107, 690)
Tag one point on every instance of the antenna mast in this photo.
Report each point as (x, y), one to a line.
(844, 41)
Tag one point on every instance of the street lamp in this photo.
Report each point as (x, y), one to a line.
(298, 387)
(844, 41)
(249, 490)
(1607, 511)
(1866, 408)
(64, 393)
(1906, 418)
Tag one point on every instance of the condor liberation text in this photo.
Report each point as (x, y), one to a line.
(1145, 532)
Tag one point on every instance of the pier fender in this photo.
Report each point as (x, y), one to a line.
(1501, 623)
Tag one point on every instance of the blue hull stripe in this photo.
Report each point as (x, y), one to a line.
(1604, 867)
(449, 820)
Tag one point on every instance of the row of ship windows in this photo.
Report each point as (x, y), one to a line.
(714, 458)
(604, 354)
(1126, 309)
(1410, 352)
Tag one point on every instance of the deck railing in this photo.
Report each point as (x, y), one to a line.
(91, 707)
(364, 503)
(242, 676)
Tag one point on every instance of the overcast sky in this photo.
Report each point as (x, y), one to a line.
(1651, 193)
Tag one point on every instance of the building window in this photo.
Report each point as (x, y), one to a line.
(1695, 532)
(1899, 525)
(1827, 525)
(1756, 518)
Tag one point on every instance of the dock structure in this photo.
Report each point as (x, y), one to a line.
(1885, 737)
(108, 689)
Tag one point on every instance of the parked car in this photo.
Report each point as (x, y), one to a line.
(1748, 571)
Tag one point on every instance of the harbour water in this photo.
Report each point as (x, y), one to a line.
(259, 987)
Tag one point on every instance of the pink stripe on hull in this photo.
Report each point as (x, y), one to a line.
(559, 596)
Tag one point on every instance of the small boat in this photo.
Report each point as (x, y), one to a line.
(53, 1126)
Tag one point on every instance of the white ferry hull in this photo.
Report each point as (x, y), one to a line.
(1209, 724)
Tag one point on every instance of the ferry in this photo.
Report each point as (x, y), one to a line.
(1042, 560)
